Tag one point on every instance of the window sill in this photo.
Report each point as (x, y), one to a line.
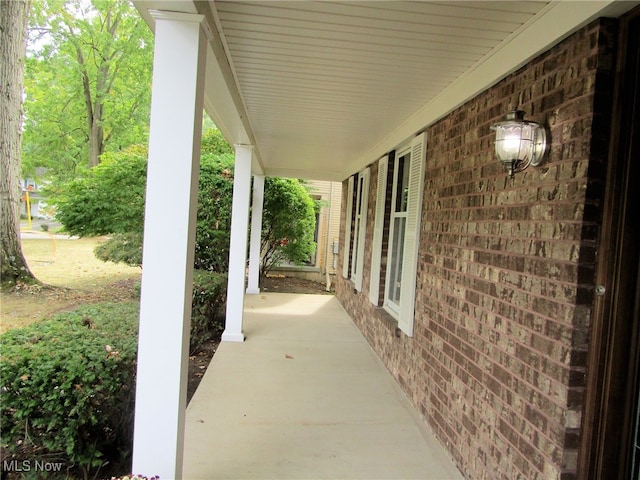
(391, 312)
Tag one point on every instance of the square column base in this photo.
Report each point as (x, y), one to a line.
(232, 337)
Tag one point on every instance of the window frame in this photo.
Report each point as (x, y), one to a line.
(346, 260)
(405, 310)
(360, 227)
(389, 304)
(356, 227)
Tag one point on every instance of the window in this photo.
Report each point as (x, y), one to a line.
(346, 261)
(397, 230)
(357, 219)
(360, 228)
(402, 241)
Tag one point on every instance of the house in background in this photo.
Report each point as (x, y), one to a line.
(505, 307)
(323, 265)
(32, 205)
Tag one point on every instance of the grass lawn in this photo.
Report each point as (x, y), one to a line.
(77, 278)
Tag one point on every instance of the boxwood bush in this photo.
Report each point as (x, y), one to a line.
(68, 382)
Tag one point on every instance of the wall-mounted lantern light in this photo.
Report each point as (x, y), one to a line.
(519, 143)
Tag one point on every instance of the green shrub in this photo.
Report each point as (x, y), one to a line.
(213, 222)
(109, 200)
(207, 306)
(288, 223)
(209, 295)
(68, 386)
(68, 382)
(121, 248)
(106, 199)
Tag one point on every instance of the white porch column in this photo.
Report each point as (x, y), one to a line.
(256, 229)
(169, 240)
(238, 244)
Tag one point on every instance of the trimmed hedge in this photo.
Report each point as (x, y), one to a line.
(209, 296)
(68, 382)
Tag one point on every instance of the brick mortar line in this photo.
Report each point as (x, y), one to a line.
(546, 434)
(543, 433)
(499, 270)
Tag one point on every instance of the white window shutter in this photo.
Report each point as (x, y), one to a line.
(347, 229)
(412, 234)
(378, 226)
(363, 197)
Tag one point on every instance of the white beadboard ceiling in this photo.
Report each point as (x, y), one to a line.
(323, 88)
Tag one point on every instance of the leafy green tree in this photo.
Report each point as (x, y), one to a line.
(88, 78)
(288, 223)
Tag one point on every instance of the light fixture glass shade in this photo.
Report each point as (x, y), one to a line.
(519, 143)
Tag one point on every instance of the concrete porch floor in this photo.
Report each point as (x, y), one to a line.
(305, 397)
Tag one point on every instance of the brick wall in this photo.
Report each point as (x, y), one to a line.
(505, 273)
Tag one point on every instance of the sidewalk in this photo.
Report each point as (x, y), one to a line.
(305, 397)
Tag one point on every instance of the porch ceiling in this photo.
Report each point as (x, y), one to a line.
(323, 88)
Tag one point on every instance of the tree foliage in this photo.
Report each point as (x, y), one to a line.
(88, 83)
(121, 248)
(288, 223)
(213, 222)
(213, 143)
(109, 200)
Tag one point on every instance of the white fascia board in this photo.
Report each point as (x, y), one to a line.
(554, 23)
(221, 108)
(308, 174)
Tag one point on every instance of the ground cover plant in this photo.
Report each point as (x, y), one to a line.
(68, 385)
(68, 381)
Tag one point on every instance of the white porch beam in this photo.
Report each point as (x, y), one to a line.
(256, 230)
(238, 244)
(169, 240)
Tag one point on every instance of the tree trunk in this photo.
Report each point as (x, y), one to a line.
(94, 101)
(93, 115)
(95, 143)
(13, 30)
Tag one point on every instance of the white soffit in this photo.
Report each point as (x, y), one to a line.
(324, 88)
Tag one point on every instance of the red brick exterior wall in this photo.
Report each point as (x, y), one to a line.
(497, 361)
